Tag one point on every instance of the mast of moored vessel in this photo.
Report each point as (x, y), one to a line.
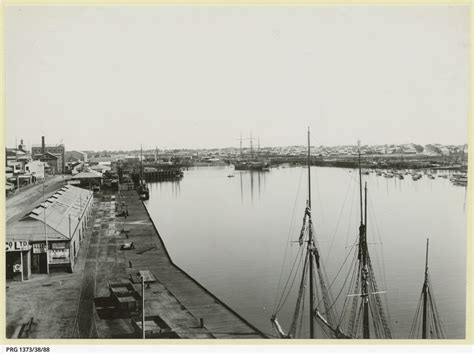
(427, 319)
(310, 247)
(363, 257)
(367, 307)
(425, 295)
(318, 291)
(251, 147)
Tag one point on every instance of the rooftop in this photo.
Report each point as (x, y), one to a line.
(61, 213)
(88, 174)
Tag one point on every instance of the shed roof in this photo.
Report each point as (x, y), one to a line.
(61, 212)
(32, 230)
(88, 174)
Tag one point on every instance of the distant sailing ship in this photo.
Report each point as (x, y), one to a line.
(254, 164)
(363, 313)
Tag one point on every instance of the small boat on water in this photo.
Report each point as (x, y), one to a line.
(460, 181)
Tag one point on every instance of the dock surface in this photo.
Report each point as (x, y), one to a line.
(77, 305)
(175, 296)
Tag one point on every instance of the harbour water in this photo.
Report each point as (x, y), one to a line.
(231, 234)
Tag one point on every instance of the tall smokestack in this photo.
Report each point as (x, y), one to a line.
(43, 147)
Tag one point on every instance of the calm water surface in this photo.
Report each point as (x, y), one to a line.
(231, 235)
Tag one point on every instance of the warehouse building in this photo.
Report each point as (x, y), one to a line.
(54, 156)
(48, 238)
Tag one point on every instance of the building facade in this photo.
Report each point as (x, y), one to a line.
(38, 152)
(49, 237)
(36, 169)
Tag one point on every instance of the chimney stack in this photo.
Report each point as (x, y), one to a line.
(43, 147)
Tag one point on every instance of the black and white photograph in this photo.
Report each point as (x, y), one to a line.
(237, 171)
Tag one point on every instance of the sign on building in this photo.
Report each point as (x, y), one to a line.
(39, 247)
(59, 256)
(58, 245)
(16, 246)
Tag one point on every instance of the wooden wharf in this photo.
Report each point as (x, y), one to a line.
(171, 295)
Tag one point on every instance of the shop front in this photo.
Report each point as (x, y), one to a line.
(18, 260)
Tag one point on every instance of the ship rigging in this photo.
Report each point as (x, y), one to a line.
(363, 311)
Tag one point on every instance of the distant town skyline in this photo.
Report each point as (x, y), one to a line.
(244, 147)
(117, 77)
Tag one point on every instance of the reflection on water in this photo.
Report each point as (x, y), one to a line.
(248, 178)
(231, 235)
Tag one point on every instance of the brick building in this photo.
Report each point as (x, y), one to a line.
(43, 152)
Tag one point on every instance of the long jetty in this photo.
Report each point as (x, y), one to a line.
(173, 299)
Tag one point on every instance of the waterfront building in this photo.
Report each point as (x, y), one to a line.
(88, 179)
(49, 236)
(44, 152)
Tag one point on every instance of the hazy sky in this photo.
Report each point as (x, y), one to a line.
(115, 77)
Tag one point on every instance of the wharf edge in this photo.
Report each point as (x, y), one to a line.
(255, 333)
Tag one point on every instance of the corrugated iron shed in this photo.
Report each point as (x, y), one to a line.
(61, 212)
(88, 174)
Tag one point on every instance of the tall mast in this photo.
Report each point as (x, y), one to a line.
(241, 154)
(309, 171)
(363, 257)
(251, 147)
(425, 295)
(310, 248)
(360, 185)
(365, 272)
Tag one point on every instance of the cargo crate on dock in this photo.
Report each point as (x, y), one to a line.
(155, 327)
(125, 297)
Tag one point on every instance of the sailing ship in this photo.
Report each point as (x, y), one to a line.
(363, 313)
(254, 163)
(426, 323)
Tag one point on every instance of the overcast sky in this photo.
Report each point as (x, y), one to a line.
(115, 77)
